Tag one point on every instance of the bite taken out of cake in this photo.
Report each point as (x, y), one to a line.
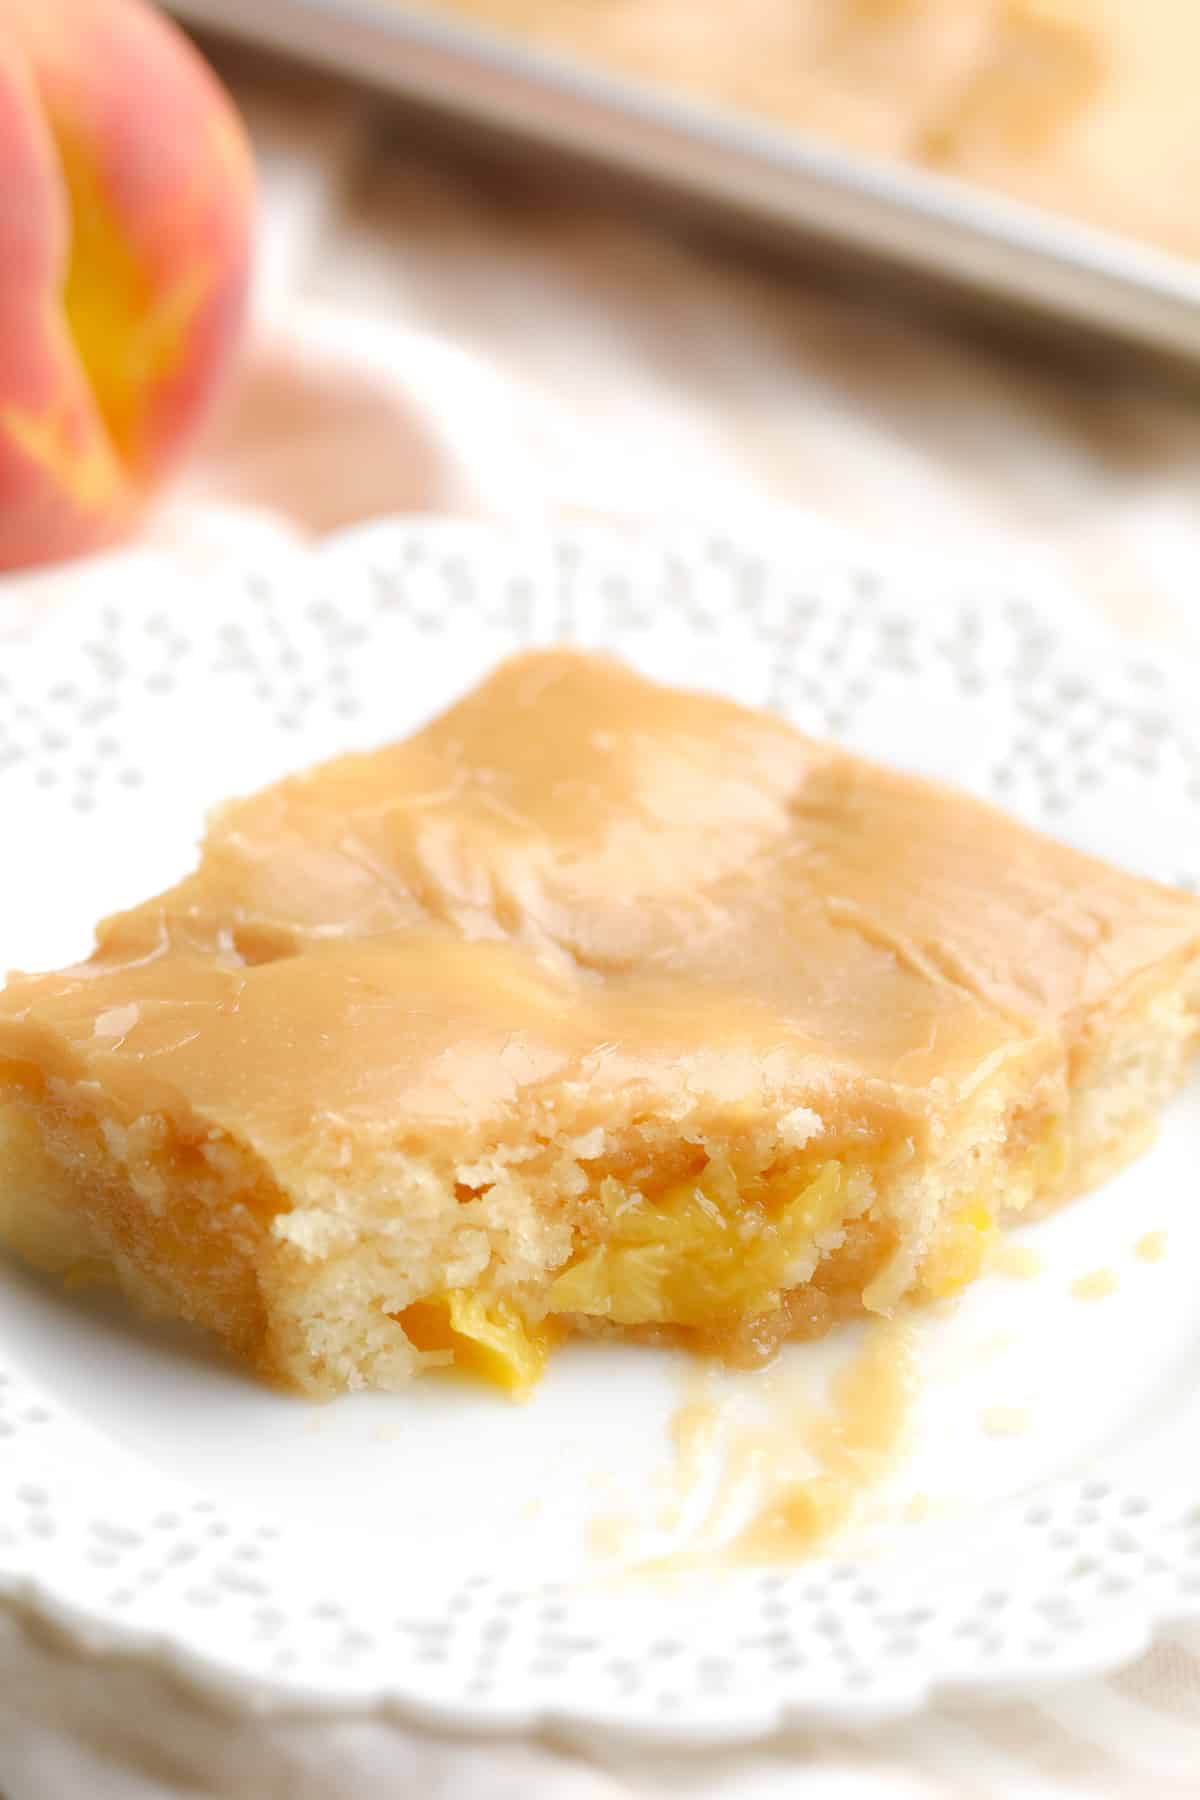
(595, 1006)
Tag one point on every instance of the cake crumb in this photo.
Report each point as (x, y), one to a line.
(1152, 1247)
(1017, 1260)
(1096, 1286)
(611, 1535)
(1005, 1421)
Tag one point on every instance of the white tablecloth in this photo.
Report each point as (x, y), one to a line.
(435, 335)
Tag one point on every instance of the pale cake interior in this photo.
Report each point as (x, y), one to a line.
(733, 1242)
(307, 1101)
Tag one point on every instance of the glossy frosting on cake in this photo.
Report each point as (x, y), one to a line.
(588, 872)
(665, 958)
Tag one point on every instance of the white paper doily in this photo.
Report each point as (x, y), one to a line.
(428, 1550)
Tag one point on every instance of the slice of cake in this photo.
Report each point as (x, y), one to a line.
(595, 1006)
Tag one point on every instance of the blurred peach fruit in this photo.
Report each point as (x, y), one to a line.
(126, 199)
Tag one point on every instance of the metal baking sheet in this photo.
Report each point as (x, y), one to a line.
(920, 222)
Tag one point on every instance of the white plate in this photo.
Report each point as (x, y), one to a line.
(431, 1550)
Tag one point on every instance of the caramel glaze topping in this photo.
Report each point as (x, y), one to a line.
(578, 891)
